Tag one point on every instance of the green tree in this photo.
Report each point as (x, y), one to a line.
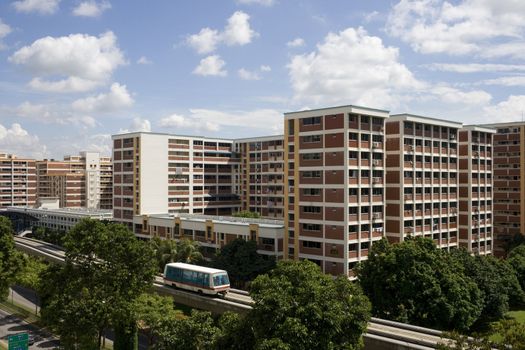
(169, 250)
(48, 235)
(240, 258)
(197, 332)
(235, 333)
(247, 214)
(11, 261)
(152, 311)
(516, 259)
(498, 284)
(106, 269)
(296, 306)
(416, 282)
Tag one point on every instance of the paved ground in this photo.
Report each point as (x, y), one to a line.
(10, 324)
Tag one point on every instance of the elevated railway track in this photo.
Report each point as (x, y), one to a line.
(381, 334)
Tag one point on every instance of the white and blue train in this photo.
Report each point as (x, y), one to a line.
(199, 279)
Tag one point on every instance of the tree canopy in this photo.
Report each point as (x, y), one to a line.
(496, 280)
(11, 261)
(247, 214)
(106, 269)
(240, 258)
(296, 306)
(516, 259)
(169, 250)
(417, 283)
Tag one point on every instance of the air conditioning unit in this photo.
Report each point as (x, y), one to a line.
(376, 145)
(376, 162)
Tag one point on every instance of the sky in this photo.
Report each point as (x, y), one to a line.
(74, 72)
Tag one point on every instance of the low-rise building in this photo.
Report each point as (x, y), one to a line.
(213, 232)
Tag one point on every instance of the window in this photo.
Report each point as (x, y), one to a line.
(311, 156)
(312, 244)
(311, 209)
(311, 191)
(311, 138)
(311, 227)
(311, 174)
(311, 121)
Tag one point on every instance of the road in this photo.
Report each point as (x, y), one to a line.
(10, 324)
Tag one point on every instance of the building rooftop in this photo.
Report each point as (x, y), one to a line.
(431, 120)
(74, 211)
(221, 219)
(335, 107)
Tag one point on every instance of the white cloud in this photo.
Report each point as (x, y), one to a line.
(297, 42)
(91, 8)
(236, 32)
(351, 67)
(138, 124)
(265, 120)
(518, 80)
(117, 98)
(475, 67)
(265, 68)
(71, 84)
(468, 27)
(144, 60)
(78, 61)
(211, 65)
(205, 41)
(50, 114)
(5, 29)
(18, 141)
(43, 7)
(248, 75)
(371, 16)
(176, 121)
(511, 109)
(266, 3)
(452, 95)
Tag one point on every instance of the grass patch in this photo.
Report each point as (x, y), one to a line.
(518, 315)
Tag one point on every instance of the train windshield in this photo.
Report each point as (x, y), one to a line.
(220, 279)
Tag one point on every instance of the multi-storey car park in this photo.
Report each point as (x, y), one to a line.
(17, 181)
(422, 179)
(334, 194)
(475, 189)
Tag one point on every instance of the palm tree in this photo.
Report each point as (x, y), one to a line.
(188, 251)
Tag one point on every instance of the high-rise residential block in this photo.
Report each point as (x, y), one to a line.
(422, 179)
(17, 181)
(259, 176)
(82, 181)
(160, 173)
(509, 182)
(475, 189)
(334, 193)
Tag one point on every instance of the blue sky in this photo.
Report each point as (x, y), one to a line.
(73, 72)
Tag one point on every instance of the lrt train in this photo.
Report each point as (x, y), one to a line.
(200, 279)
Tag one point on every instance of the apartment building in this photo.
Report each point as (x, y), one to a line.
(509, 182)
(213, 232)
(259, 177)
(81, 181)
(157, 173)
(17, 181)
(422, 179)
(475, 189)
(334, 193)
